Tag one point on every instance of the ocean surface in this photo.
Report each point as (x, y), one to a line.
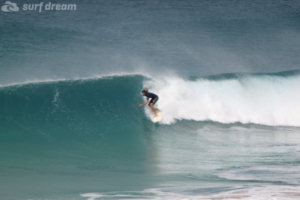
(228, 79)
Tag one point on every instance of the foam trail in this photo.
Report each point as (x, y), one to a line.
(243, 193)
(288, 174)
(268, 99)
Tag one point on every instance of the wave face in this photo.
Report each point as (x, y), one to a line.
(68, 113)
(268, 99)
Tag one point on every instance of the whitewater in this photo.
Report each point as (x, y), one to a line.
(261, 99)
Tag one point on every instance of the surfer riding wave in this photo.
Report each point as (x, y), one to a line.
(153, 97)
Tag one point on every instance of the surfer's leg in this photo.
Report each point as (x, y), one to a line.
(153, 109)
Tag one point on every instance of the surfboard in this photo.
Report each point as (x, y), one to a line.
(157, 118)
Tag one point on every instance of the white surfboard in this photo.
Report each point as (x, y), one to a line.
(157, 118)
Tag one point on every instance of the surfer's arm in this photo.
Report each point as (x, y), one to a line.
(146, 89)
(144, 103)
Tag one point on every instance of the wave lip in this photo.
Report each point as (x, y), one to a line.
(54, 80)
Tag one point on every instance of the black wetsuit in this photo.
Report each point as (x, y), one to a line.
(153, 97)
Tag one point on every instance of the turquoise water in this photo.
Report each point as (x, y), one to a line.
(227, 76)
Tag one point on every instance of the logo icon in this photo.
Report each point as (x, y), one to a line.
(9, 7)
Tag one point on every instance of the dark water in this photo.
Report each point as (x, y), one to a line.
(226, 72)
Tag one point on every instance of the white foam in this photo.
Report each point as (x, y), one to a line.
(271, 192)
(261, 100)
(91, 196)
(287, 174)
(258, 193)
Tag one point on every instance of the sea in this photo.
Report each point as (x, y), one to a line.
(227, 75)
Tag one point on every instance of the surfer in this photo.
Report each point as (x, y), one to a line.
(153, 97)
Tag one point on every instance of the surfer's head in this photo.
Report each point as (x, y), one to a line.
(144, 92)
